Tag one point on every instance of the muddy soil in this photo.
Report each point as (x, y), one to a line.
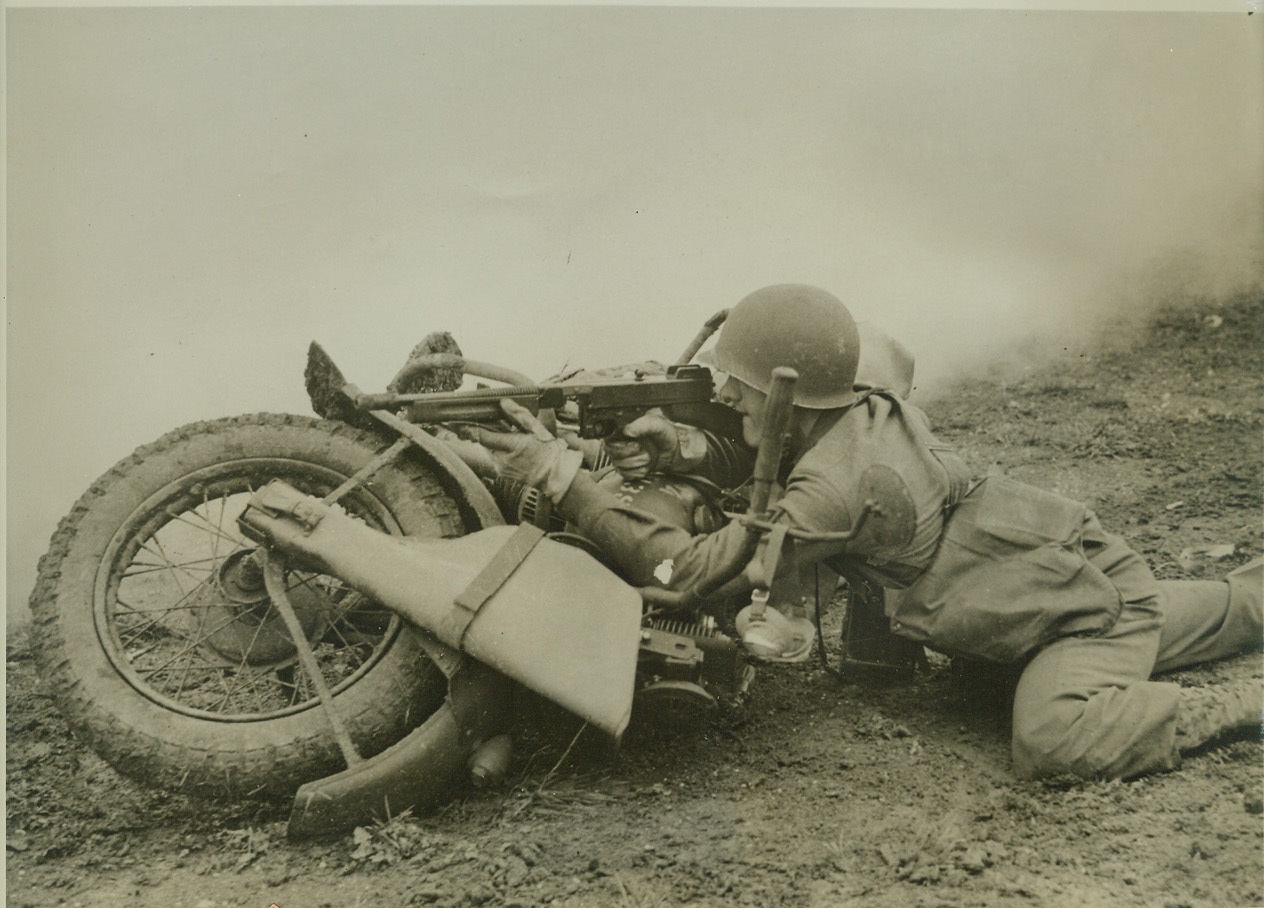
(817, 793)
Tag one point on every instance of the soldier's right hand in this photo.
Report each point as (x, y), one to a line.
(648, 444)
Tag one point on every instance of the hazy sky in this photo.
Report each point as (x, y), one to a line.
(194, 194)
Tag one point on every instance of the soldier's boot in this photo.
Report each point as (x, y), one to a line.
(1209, 713)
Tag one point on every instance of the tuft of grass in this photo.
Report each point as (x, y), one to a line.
(388, 841)
(549, 799)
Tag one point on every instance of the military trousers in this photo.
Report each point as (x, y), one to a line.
(1089, 706)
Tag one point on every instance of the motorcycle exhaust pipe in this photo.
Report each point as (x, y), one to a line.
(543, 613)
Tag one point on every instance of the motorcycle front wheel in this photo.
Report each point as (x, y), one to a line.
(162, 649)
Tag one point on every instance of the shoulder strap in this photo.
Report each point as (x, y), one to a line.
(959, 477)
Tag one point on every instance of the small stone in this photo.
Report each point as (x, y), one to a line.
(924, 873)
(424, 896)
(516, 872)
(889, 855)
(995, 851)
(974, 859)
(1253, 804)
(1203, 850)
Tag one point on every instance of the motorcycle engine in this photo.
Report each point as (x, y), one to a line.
(685, 669)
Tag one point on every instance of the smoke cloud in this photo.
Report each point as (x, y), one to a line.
(194, 194)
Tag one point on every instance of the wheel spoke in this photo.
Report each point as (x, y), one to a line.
(242, 669)
(219, 526)
(229, 689)
(260, 692)
(159, 614)
(352, 598)
(348, 646)
(206, 643)
(169, 564)
(140, 568)
(209, 528)
(136, 633)
(193, 644)
(308, 581)
(296, 690)
(149, 611)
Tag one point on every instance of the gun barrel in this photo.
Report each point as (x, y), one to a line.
(440, 405)
(604, 406)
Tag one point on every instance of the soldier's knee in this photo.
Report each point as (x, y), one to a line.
(1038, 760)
(1036, 742)
(1052, 743)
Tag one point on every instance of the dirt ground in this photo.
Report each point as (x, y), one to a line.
(817, 793)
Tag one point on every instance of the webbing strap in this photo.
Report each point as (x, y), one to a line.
(772, 553)
(493, 576)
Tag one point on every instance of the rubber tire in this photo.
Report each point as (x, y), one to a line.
(204, 757)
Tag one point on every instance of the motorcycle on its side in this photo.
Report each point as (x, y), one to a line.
(340, 609)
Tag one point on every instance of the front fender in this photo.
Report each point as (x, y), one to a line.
(420, 772)
(479, 507)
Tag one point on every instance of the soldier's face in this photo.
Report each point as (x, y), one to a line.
(750, 403)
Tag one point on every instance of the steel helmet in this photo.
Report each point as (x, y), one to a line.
(798, 326)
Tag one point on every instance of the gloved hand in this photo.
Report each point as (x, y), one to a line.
(532, 456)
(654, 444)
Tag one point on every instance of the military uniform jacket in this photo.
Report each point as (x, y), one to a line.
(990, 570)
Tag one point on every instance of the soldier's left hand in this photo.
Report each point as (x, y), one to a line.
(532, 455)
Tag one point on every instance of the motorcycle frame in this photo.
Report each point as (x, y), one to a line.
(409, 771)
